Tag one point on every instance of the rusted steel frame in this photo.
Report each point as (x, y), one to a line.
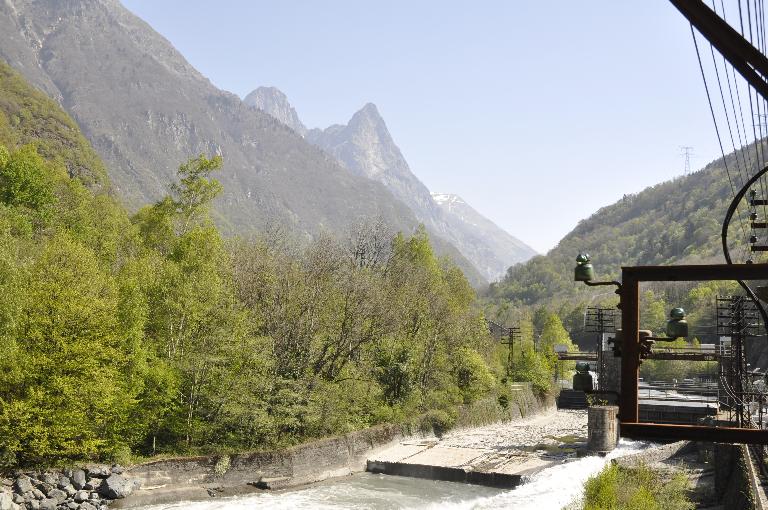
(693, 433)
(747, 59)
(630, 357)
(682, 356)
(630, 349)
(692, 273)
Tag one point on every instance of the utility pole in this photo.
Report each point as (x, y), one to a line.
(687, 151)
(737, 321)
(513, 334)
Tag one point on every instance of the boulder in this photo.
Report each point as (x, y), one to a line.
(48, 504)
(49, 478)
(81, 496)
(33, 505)
(6, 502)
(117, 487)
(117, 469)
(63, 482)
(38, 494)
(23, 484)
(78, 479)
(45, 488)
(57, 495)
(69, 490)
(93, 484)
(88, 506)
(98, 472)
(72, 505)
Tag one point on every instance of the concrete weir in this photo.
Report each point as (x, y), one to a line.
(479, 466)
(445, 473)
(499, 455)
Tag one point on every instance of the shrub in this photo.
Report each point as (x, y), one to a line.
(640, 488)
(438, 421)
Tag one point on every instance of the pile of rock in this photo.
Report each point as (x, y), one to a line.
(90, 488)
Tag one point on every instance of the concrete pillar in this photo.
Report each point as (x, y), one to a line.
(610, 372)
(602, 428)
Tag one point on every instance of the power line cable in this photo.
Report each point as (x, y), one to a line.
(717, 129)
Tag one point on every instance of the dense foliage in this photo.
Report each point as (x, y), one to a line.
(29, 116)
(640, 488)
(152, 333)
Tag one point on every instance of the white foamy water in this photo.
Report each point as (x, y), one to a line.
(551, 488)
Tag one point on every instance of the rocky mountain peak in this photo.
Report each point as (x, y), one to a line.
(368, 128)
(274, 102)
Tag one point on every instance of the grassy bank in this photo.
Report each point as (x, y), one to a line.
(641, 488)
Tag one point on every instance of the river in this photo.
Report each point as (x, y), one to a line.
(551, 488)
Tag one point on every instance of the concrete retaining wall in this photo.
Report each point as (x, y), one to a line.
(733, 477)
(195, 478)
(654, 454)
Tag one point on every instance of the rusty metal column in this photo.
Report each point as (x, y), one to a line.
(630, 349)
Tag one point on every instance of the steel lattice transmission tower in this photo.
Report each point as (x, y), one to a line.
(687, 151)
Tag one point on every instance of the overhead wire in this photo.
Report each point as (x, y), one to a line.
(741, 131)
(741, 171)
(758, 143)
(717, 129)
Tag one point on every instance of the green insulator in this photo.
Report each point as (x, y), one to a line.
(677, 313)
(584, 271)
(677, 328)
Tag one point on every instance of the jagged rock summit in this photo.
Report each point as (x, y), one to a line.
(366, 148)
(272, 101)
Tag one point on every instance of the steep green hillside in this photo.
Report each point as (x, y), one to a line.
(677, 221)
(29, 116)
(143, 334)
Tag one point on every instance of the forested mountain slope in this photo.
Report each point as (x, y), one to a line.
(677, 221)
(150, 334)
(145, 108)
(29, 116)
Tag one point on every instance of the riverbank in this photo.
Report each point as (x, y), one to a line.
(200, 478)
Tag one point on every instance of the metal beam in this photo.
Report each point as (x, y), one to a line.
(744, 57)
(697, 272)
(630, 349)
(684, 356)
(693, 433)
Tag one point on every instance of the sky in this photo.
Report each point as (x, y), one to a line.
(536, 112)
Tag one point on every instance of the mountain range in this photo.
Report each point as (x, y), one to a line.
(366, 148)
(145, 110)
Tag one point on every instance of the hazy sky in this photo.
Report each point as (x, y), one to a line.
(537, 113)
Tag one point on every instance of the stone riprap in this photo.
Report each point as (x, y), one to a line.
(88, 488)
